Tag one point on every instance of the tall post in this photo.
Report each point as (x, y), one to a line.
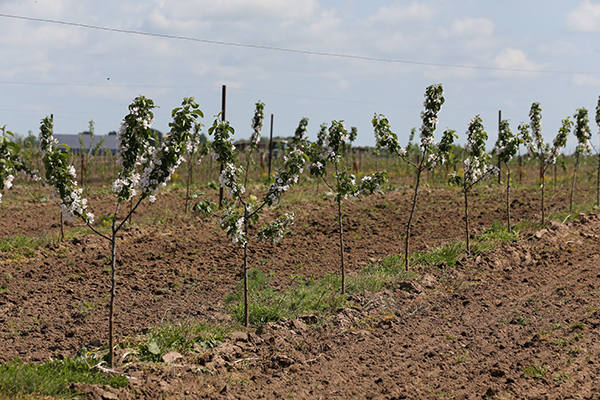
(499, 164)
(223, 102)
(271, 146)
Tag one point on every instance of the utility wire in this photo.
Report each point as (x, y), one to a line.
(288, 49)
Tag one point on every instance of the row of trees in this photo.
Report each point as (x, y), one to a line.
(145, 166)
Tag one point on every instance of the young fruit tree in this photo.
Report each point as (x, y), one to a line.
(477, 166)
(507, 147)
(10, 162)
(144, 169)
(583, 135)
(430, 153)
(242, 213)
(328, 150)
(545, 153)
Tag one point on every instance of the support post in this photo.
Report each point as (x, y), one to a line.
(223, 102)
(270, 146)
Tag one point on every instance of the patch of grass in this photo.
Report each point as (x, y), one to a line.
(444, 256)
(378, 276)
(180, 338)
(578, 326)
(53, 378)
(22, 244)
(267, 304)
(493, 237)
(536, 371)
(561, 377)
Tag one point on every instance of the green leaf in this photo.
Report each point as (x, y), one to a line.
(153, 348)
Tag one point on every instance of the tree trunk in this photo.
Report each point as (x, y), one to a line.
(508, 224)
(573, 180)
(62, 229)
(412, 211)
(543, 184)
(465, 191)
(341, 234)
(111, 308)
(189, 182)
(246, 314)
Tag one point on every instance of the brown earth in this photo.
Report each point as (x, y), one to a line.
(447, 340)
(53, 300)
(520, 322)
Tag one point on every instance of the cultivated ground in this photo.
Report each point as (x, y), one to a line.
(519, 321)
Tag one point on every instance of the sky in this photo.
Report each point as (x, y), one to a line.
(523, 51)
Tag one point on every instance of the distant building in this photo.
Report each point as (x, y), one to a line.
(108, 143)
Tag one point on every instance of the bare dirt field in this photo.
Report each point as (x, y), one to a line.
(518, 322)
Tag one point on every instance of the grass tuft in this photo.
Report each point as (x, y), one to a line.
(53, 378)
(180, 338)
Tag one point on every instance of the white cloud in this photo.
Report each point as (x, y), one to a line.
(585, 80)
(517, 61)
(473, 27)
(585, 17)
(398, 12)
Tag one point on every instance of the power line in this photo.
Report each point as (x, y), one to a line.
(288, 49)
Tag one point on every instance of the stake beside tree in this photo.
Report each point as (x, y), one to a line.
(144, 168)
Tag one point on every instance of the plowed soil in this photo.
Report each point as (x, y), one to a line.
(518, 323)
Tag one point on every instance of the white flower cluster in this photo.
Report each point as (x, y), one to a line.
(75, 204)
(433, 103)
(293, 167)
(356, 192)
(535, 124)
(276, 230)
(130, 182)
(145, 121)
(474, 169)
(229, 180)
(8, 182)
(234, 224)
(153, 177)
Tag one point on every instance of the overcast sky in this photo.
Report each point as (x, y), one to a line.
(81, 74)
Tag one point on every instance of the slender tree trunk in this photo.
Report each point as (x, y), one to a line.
(111, 308)
(412, 212)
(555, 175)
(189, 183)
(573, 180)
(245, 272)
(341, 234)
(508, 224)
(499, 172)
(465, 191)
(543, 184)
(62, 229)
